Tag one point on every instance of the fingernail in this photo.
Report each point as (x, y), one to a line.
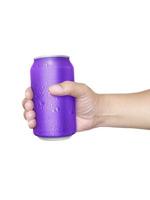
(56, 89)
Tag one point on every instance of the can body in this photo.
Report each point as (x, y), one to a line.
(55, 115)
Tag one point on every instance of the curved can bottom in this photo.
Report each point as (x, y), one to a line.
(52, 135)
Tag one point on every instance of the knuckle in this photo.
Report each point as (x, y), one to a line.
(68, 86)
(29, 114)
(83, 85)
(67, 82)
(28, 102)
(26, 105)
(85, 88)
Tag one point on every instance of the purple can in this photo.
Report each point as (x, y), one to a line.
(55, 115)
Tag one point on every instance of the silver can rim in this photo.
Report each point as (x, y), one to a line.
(51, 56)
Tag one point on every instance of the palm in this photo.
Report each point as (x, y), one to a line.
(86, 109)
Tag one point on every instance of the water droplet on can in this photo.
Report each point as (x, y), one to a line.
(57, 109)
(46, 65)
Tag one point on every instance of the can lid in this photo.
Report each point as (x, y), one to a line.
(52, 56)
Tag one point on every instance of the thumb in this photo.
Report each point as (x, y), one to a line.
(68, 88)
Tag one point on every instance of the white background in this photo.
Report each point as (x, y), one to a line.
(109, 45)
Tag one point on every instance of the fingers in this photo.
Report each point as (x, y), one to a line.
(69, 88)
(30, 117)
(29, 93)
(32, 123)
(24, 102)
(28, 105)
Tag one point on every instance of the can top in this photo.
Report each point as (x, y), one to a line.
(53, 57)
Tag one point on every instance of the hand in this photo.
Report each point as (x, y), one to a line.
(29, 113)
(86, 103)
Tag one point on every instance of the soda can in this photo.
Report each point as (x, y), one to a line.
(55, 115)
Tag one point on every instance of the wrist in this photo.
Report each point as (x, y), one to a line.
(123, 110)
(107, 113)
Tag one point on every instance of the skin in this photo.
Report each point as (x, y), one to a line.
(98, 110)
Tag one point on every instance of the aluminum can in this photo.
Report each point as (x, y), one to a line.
(55, 115)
